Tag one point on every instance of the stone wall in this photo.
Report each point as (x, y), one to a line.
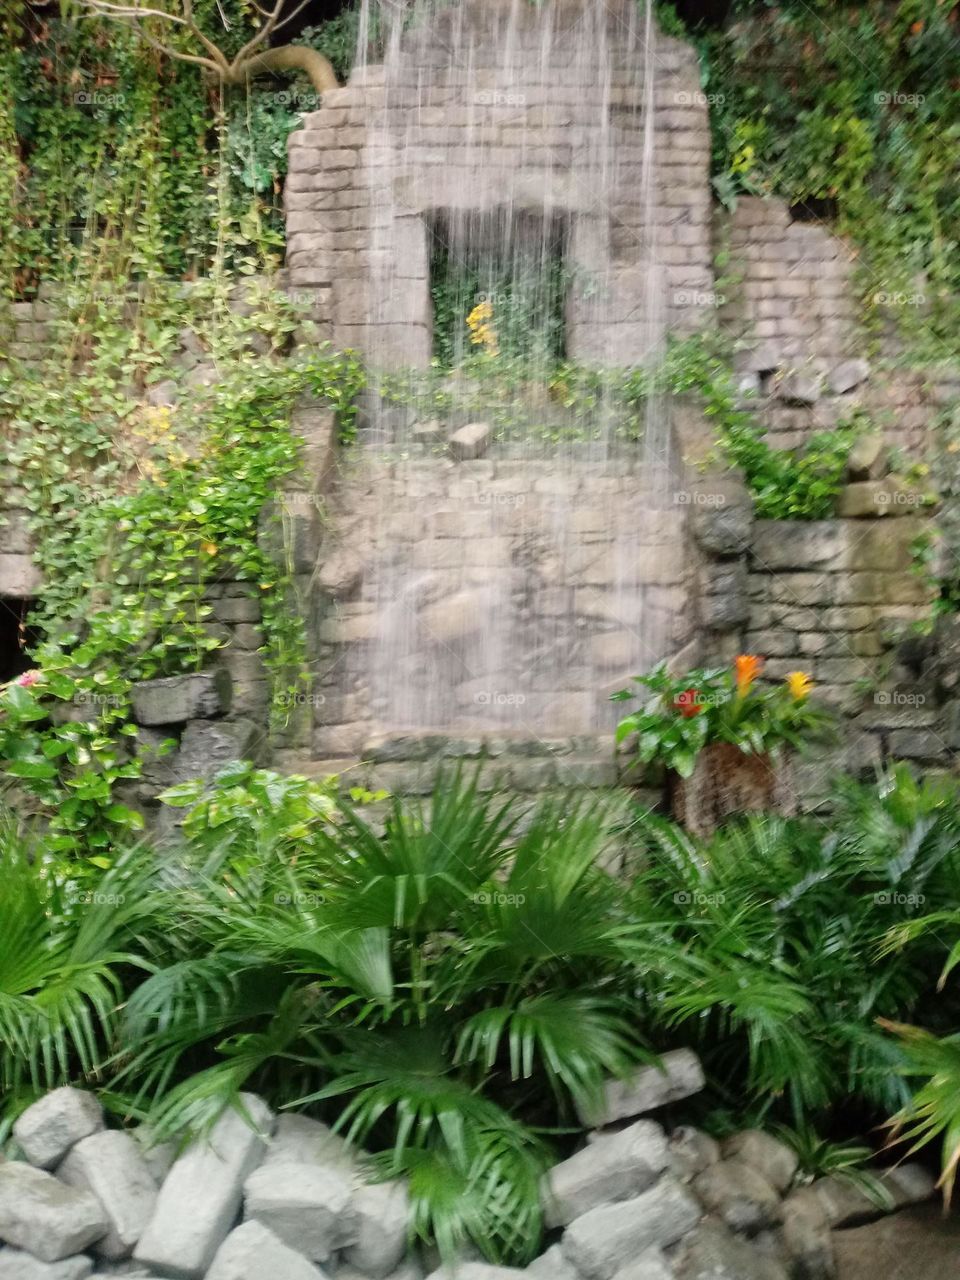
(552, 130)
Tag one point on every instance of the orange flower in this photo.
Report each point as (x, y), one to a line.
(747, 667)
(799, 684)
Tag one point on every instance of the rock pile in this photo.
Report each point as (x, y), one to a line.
(266, 1198)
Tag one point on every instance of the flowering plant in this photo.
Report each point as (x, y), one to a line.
(723, 704)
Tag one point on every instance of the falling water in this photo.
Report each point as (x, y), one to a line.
(511, 152)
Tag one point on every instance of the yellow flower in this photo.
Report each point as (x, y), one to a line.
(482, 332)
(799, 684)
(209, 548)
(747, 667)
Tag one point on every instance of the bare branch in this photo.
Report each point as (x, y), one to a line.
(125, 11)
(269, 23)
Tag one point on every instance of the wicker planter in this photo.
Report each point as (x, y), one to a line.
(726, 782)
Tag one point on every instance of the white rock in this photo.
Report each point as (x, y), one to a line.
(476, 1271)
(768, 1155)
(691, 1151)
(158, 1156)
(381, 1211)
(47, 1130)
(109, 1165)
(648, 1088)
(251, 1252)
(551, 1265)
(45, 1217)
(302, 1140)
(613, 1167)
(739, 1194)
(199, 1201)
(307, 1206)
(848, 375)
(610, 1237)
(17, 1265)
(651, 1265)
(471, 441)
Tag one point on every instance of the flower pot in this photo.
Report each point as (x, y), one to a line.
(726, 782)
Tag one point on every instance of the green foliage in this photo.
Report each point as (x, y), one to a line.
(337, 38)
(842, 1161)
(690, 711)
(934, 1110)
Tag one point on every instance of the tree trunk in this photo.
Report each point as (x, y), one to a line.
(288, 57)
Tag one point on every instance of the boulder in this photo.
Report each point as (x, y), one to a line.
(867, 458)
(606, 1239)
(306, 1206)
(724, 530)
(798, 389)
(845, 1204)
(471, 441)
(738, 1194)
(551, 1265)
(651, 1265)
(44, 1216)
(847, 376)
(110, 1167)
(341, 574)
(252, 1252)
(712, 1253)
(475, 1271)
(163, 394)
(157, 1156)
(302, 1140)
(201, 1195)
(208, 745)
(678, 1076)
(691, 1151)
(773, 1159)
(381, 1212)
(614, 1167)
(17, 1265)
(46, 1131)
(807, 1237)
(202, 695)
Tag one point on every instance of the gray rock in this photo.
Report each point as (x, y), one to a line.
(341, 574)
(307, 1206)
(165, 393)
(679, 1075)
(807, 1237)
(208, 745)
(471, 441)
(738, 1194)
(798, 389)
(45, 1217)
(712, 1253)
(773, 1159)
(158, 1156)
(381, 1212)
(866, 499)
(691, 1151)
(476, 1271)
(608, 1238)
(302, 1140)
(428, 432)
(651, 1265)
(201, 1196)
(614, 1167)
(17, 1265)
(110, 1167)
(47, 1130)
(848, 375)
(845, 1204)
(252, 1252)
(764, 358)
(203, 375)
(410, 1269)
(725, 530)
(551, 1265)
(202, 695)
(867, 458)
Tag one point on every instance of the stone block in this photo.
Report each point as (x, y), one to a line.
(470, 441)
(19, 576)
(208, 745)
(690, 1151)
(725, 530)
(865, 499)
(608, 1238)
(289, 530)
(739, 1195)
(651, 1265)
(202, 695)
(47, 1130)
(236, 609)
(201, 1195)
(252, 1252)
(679, 1075)
(306, 1206)
(15, 534)
(550, 1265)
(845, 1205)
(867, 458)
(848, 375)
(614, 1167)
(381, 1213)
(761, 1151)
(806, 1236)
(798, 389)
(712, 1253)
(17, 1265)
(110, 1167)
(303, 1140)
(798, 544)
(341, 573)
(45, 1217)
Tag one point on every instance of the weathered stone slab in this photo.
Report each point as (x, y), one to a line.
(303, 1140)
(202, 695)
(470, 441)
(110, 1167)
(712, 1253)
(738, 1194)
(46, 1131)
(306, 1206)
(608, 1238)
(208, 745)
(17, 1265)
(613, 1167)
(201, 1195)
(252, 1252)
(773, 1159)
(846, 1205)
(648, 1088)
(45, 1217)
(381, 1214)
(691, 1151)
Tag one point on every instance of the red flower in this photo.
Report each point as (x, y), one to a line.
(688, 703)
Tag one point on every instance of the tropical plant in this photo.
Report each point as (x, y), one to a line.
(447, 989)
(934, 1109)
(690, 711)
